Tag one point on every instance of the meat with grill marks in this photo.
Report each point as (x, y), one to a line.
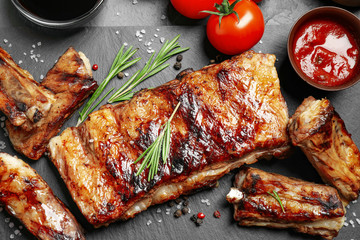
(307, 207)
(321, 134)
(27, 196)
(68, 83)
(21, 97)
(230, 114)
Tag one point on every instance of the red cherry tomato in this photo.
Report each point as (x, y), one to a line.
(233, 36)
(192, 8)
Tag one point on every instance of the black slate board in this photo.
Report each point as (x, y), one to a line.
(101, 45)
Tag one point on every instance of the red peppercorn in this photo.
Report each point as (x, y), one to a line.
(217, 214)
(201, 215)
(95, 67)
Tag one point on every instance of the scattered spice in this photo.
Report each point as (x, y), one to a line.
(95, 67)
(193, 218)
(178, 200)
(185, 210)
(201, 215)
(171, 203)
(185, 197)
(177, 213)
(198, 222)
(120, 75)
(217, 214)
(212, 61)
(179, 58)
(177, 66)
(186, 203)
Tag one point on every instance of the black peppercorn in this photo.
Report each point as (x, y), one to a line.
(120, 75)
(185, 210)
(171, 203)
(179, 58)
(177, 66)
(186, 203)
(177, 213)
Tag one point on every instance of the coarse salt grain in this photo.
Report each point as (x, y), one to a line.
(41, 76)
(352, 223)
(143, 31)
(148, 222)
(156, 35)
(117, 32)
(260, 42)
(355, 201)
(39, 43)
(2, 145)
(160, 220)
(12, 236)
(158, 29)
(125, 44)
(358, 221)
(163, 17)
(7, 220)
(25, 53)
(10, 45)
(41, 60)
(137, 33)
(126, 74)
(354, 214)
(11, 225)
(33, 46)
(20, 62)
(117, 14)
(346, 224)
(135, 2)
(162, 39)
(158, 210)
(17, 231)
(6, 41)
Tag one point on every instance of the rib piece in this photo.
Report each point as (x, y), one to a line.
(71, 82)
(230, 114)
(308, 207)
(28, 197)
(321, 134)
(21, 97)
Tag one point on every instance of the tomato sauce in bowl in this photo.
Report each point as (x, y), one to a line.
(326, 52)
(323, 48)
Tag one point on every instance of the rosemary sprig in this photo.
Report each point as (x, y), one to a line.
(169, 49)
(276, 196)
(159, 148)
(120, 63)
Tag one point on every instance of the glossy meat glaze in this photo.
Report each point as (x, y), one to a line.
(321, 134)
(22, 99)
(308, 207)
(230, 114)
(27, 197)
(70, 83)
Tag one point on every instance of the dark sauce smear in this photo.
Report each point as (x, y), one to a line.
(58, 10)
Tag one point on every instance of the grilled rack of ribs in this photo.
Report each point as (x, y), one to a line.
(308, 207)
(21, 97)
(27, 196)
(68, 83)
(230, 114)
(321, 134)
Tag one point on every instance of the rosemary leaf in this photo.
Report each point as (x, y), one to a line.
(119, 64)
(276, 196)
(152, 66)
(159, 148)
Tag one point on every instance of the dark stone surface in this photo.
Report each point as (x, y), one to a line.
(99, 41)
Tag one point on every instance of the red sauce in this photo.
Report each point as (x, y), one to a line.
(326, 52)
